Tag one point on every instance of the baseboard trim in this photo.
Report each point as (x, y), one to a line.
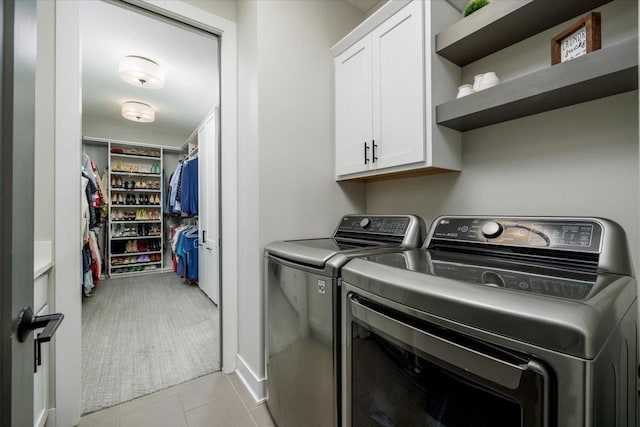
(256, 386)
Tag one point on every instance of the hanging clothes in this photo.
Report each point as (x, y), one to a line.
(174, 204)
(185, 252)
(189, 187)
(182, 194)
(85, 220)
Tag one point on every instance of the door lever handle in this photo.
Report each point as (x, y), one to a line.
(27, 322)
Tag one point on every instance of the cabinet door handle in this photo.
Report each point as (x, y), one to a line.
(366, 152)
(373, 142)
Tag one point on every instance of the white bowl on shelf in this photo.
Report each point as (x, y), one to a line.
(464, 90)
(488, 80)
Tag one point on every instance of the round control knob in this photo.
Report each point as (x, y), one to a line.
(365, 223)
(491, 229)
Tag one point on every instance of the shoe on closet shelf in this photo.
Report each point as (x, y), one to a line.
(119, 182)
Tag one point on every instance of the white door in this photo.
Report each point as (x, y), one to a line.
(398, 95)
(209, 252)
(354, 109)
(18, 50)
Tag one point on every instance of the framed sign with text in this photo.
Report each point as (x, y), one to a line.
(580, 38)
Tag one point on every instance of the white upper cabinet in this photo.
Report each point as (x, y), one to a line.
(398, 89)
(354, 103)
(383, 96)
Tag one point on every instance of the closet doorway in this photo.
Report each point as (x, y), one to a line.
(150, 102)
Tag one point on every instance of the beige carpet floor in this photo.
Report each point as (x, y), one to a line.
(142, 334)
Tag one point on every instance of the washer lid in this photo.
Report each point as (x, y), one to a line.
(316, 252)
(570, 312)
(354, 236)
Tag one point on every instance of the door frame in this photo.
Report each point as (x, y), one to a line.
(68, 136)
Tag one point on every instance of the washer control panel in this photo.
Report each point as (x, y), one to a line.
(553, 233)
(393, 225)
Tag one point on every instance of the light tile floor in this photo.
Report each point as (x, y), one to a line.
(212, 400)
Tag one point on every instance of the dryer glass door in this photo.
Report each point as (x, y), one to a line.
(406, 374)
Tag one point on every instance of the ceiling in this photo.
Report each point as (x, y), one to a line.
(188, 57)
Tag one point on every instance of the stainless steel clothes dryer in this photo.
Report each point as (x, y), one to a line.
(496, 322)
(303, 318)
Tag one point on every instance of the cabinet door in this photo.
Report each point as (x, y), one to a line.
(353, 108)
(398, 88)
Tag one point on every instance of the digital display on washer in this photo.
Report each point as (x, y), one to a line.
(508, 279)
(563, 234)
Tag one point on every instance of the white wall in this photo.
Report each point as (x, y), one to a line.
(129, 131)
(285, 136)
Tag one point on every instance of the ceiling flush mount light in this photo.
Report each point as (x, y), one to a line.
(142, 72)
(138, 112)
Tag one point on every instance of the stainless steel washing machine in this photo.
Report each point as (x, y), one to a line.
(509, 321)
(303, 318)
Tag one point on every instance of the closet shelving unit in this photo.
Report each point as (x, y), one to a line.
(135, 209)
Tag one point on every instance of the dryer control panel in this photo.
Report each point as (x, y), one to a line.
(577, 235)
